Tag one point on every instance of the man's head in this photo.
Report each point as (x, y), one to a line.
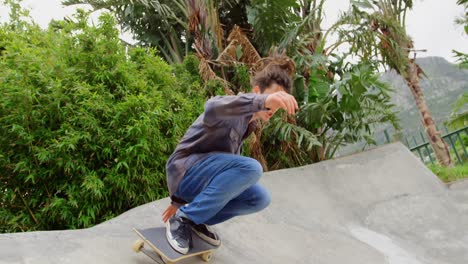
(271, 79)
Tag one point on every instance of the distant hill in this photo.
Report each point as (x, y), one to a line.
(445, 82)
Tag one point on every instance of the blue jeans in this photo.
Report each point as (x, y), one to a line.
(220, 187)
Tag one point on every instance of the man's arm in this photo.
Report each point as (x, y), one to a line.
(227, 107)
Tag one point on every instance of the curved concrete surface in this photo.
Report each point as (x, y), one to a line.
(380, 206)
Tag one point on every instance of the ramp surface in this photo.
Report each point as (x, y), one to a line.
(380, 206)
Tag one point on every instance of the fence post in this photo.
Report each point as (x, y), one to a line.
(462, 145)
(387, 136)
(455, 150)
(428, 150)
(407, 143)
(418, 149)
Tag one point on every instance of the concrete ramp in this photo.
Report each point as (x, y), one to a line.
(380, 206)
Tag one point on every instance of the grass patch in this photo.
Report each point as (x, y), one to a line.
(450, 174)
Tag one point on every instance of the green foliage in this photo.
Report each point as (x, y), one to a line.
(214, 88)
(158, 23)
(295, 27)
(17, 15)
(465, 141)
(450, 174)
(376, 29)
(285, 145)
(241, 79)
(340, 102)
(338, 112)
(459, 116)
(85, 127)
(271, 19)
(461, 147)
(463, 20)
(164, 23)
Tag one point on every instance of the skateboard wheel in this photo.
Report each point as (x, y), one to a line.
(138, 245)
(206, 257)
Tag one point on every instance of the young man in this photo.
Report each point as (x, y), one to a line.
(209, 181)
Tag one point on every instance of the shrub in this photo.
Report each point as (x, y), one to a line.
(86, 128)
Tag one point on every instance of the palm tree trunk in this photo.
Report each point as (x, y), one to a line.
(438, 145)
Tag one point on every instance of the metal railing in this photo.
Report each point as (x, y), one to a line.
(426, 153)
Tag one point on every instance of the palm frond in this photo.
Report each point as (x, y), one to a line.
(286, 131)
(382, 25)
(461, 102)
(250, 53)
(239, 49)
(154, 23)
(459, 115)
(208, 74)
(271, 19)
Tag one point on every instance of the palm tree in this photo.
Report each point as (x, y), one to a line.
(459, 118)
(335, 108)
(376, 29)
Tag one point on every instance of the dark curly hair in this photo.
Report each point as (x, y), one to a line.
(274, 69)
(270, 75)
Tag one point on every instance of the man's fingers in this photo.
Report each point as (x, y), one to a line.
(167, 215)
(291, 107)
(295, 103)
(295, 106)
(283, 105)
(287, 102)
(169, 212)
(278, 103)
(291, 104)
(284, 101)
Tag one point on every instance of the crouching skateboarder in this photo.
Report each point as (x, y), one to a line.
(209, 181)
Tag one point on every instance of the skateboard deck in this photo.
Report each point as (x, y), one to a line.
(155, 238)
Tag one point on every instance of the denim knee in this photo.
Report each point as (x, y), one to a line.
(263, 199)
(252, 169)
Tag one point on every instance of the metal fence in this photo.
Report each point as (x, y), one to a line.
(454, 139)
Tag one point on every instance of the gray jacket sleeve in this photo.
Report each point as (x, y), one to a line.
(227, 107)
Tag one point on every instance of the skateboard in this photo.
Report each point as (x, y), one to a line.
(156, 239)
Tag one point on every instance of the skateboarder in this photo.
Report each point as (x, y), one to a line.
(209, 181)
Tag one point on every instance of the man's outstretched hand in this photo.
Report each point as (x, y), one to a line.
(281, 100)
(169, 212)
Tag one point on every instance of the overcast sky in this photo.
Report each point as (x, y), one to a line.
(430, 24)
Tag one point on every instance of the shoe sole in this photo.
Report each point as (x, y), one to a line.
(207, 239)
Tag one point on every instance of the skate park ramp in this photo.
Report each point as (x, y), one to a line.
(379, 206)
